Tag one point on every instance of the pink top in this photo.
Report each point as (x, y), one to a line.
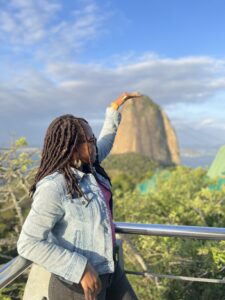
(107, 195)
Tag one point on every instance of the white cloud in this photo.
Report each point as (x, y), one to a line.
(24, 22)
(38, 26)
(207, 122)
(64, 85)
(34, 93)
(168, 81)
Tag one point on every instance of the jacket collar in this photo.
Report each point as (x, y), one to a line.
(79, 174)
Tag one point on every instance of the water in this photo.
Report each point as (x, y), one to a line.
(199, 161)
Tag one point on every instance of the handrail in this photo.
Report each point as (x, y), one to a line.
(11, 270)
(197, 232)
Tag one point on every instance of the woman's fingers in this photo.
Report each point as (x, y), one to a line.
(90, 282)
(89, 294)
(98, 286)
(125, 96)
(133, 94)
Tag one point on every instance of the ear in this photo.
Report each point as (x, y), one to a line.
(75, 155)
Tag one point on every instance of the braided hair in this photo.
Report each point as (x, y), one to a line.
(62, 138)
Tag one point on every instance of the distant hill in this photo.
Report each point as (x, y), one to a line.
(132, 164)
(146, 129)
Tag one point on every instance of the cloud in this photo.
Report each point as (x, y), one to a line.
(39, 26)
(42, 77)
(25, 22)
(213, 124)
(73, 86)
(166, 80)
(190, 85)
(207, 122)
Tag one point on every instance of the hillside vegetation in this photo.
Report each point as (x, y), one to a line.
(135, 165)
(182, 199)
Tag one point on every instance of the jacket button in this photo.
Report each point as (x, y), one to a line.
(83, 202)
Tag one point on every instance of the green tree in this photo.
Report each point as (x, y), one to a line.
(182, 199)
(17, 167)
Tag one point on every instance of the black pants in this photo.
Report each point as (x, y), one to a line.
(114, 287)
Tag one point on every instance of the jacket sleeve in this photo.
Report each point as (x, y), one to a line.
(33, 242)
(108, 132)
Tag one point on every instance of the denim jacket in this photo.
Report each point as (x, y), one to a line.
(62, 233)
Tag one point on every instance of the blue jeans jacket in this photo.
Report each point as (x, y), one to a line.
(62, 233)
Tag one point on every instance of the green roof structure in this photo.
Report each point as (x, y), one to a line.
(217, 170)
(149, 185)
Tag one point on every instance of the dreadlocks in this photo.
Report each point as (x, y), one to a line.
(62, 137)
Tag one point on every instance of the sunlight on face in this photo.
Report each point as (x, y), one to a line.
(85, 149)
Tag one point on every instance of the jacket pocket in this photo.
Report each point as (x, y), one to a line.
(75, 209)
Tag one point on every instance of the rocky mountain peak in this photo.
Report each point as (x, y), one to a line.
(146, 129)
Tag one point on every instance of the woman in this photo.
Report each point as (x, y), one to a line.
(69, 229)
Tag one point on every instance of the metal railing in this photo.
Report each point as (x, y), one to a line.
(15, 267)
(197, 232)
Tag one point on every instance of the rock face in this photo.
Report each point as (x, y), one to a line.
(146, 129)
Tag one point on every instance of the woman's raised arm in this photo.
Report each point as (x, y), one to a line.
(111, 124)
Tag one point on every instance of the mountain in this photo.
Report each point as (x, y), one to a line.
(146, 129)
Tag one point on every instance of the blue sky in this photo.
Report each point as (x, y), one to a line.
(77, 56)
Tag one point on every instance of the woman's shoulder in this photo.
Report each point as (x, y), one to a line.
(53, 180)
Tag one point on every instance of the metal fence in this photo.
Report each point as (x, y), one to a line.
(11, 270)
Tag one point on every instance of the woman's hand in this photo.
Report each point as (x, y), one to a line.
(91, 283)
(123, 98)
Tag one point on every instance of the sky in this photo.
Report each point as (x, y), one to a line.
(76, 57)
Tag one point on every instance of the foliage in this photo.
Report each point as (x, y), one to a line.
(15, 290)
(134, 165)
(183, 199)
(17, 166)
